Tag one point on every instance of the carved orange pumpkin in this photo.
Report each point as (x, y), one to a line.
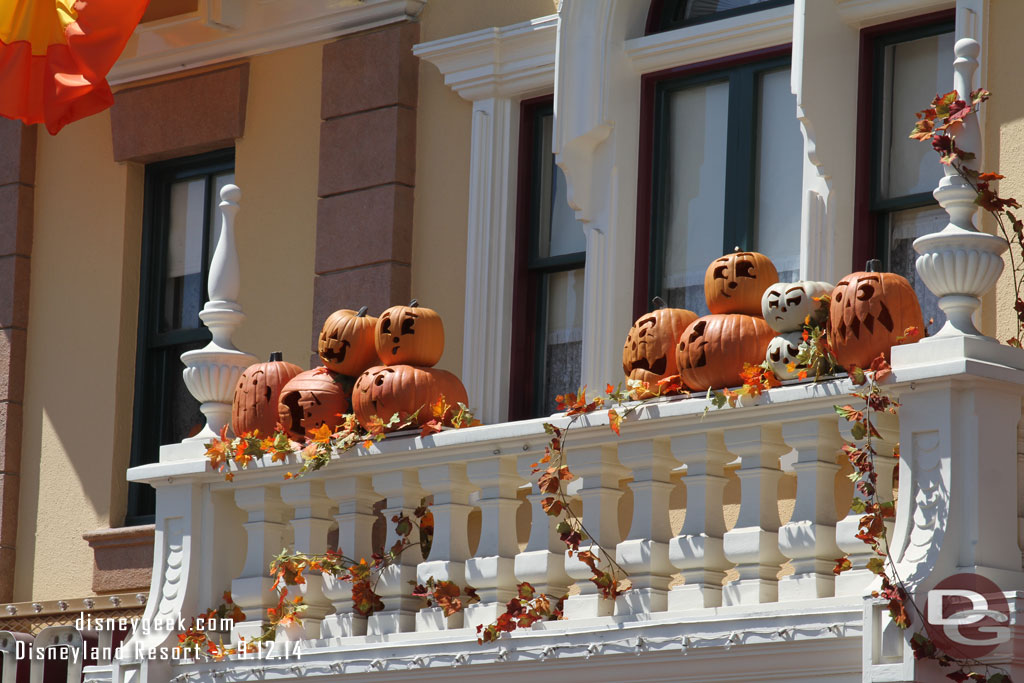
(311, 399)
(409, 335)
(256, 396)
(869, 312)
(389, 389)
(649, 352)
(713, 349)
(346, 343)
(735, 282)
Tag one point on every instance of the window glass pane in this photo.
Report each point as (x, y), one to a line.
(695, 9)
(905, 227)
(915, 71)
(560, 232)
(563, 347)
(696, 132)
(183, 284)
(779, 175)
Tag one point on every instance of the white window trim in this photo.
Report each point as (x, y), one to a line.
(495, 69)
(596, 65)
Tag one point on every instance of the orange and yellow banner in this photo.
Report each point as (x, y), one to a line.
(55, 55)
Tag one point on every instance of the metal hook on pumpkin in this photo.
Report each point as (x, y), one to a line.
(658, 302)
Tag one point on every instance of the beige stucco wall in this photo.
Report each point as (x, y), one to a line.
(1004, 135)
(442, 166)
(84, 306)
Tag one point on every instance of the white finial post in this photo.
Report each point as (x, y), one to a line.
(959, 264)
(212, 372)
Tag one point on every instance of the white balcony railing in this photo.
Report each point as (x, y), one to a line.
(958, 480)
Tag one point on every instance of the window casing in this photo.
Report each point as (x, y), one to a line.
(666, 15)
(549, 274)
(721, 167)
(903, 66)
(179, 232)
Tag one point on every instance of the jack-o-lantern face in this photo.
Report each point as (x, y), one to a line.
(649, 352)
(787, 305)
(409, 335)
(735, 282)
(310, 400)
(256, 396)
(714, 348)
(403, 390)
(782, 352)
(868, 314)
(346, 343)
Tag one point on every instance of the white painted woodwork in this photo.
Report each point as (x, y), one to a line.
(211, 373)
(355, 498)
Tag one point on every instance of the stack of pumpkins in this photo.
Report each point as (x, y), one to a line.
(409, 340)
(351, 345)
(754, 317)
(786, 307)
(710, 351)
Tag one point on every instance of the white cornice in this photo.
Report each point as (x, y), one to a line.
(231, 29)
(510, 61)
(860, 13)
(712, 40)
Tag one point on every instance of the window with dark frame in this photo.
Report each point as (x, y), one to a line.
(179, 233)
(549, 274)
(721, 167)
(903, 66)
(666, 15)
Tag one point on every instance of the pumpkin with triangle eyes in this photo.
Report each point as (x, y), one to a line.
(310, 400)
(387, 390)
(346, 343)
(649, 352)
(787, 305)
(869, 313)
(735, 282)
(782, 352)
(409, 335)
(714, 348)
(255, 402)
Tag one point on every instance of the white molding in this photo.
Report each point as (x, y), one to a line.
(861, 13)
(493, 68)
(510, 61)
(712, 40)
(216, 33)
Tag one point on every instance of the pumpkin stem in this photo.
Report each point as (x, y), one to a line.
(658, 302)
(414, 303)
(736, 250)
(873, 266)
(276, 356)
(361, 312)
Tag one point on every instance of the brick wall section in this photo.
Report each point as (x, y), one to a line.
(367, 172)
(17, 181)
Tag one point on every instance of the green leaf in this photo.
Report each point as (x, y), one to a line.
(859, 506)
(876, 565)
(858, 431)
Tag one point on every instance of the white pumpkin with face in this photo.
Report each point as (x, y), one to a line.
(785, 305)
(782, 352)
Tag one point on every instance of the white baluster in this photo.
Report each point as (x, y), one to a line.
(310, 524)
(211, 373)
(355, 498)
(403, 492)
(264, 533)
(491, 571)
(857, 580)
(753, 544)
(809, 538)
(599, 491)
(450, 547)
(697, 550)
(644, 553)
(1020, 487)
(542, 562)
